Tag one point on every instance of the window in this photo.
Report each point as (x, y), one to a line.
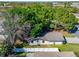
(43, 41)
(37, 40)
(31, 41)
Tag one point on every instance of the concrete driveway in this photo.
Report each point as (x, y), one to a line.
(77, 32)
(72, 40)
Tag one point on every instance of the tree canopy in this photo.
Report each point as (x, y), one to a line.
(43, 15)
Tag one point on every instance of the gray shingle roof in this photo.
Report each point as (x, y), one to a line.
(53, 37)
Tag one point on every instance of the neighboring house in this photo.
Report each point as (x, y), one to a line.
(76, 15)
(6, 6)
(49, 38)
(75, 4)
(52, 54)
(1, 29)
(58, 4)
(2, 37)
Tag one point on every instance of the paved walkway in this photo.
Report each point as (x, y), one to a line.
(72, 40)
(36, 50)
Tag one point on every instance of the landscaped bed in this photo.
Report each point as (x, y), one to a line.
(66, 34)
(70, 35)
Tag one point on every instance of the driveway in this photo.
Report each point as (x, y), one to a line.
(72, 40)
(77, 32)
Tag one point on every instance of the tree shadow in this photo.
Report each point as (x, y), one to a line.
(73, 30)
(45, 31)
(65, 41)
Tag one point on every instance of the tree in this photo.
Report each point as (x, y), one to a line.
(67, 4)
(36, 30)
(10, 27)
(69, 23)
(43, 13)
(5, 49)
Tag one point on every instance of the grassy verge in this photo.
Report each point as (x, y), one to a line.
(64, 47)
(21, 54)
(36, 46)
(68, 47)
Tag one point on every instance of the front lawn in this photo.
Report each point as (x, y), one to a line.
(21, 54)
(68, 47)
(64, 47)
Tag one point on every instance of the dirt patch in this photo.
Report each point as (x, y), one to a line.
(65, 33)
(38, 46)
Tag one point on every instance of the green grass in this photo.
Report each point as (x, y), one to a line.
(36, 46)
(21, 54)
(68, 47)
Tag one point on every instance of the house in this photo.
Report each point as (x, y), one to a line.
(49, 38)
(75, 4)
(58, 4)
(52, 54)
(76, 15)
(2, 36)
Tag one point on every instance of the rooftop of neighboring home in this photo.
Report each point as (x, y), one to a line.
(52, 54)
(53, 37)
(75, 4)
(76, 14)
